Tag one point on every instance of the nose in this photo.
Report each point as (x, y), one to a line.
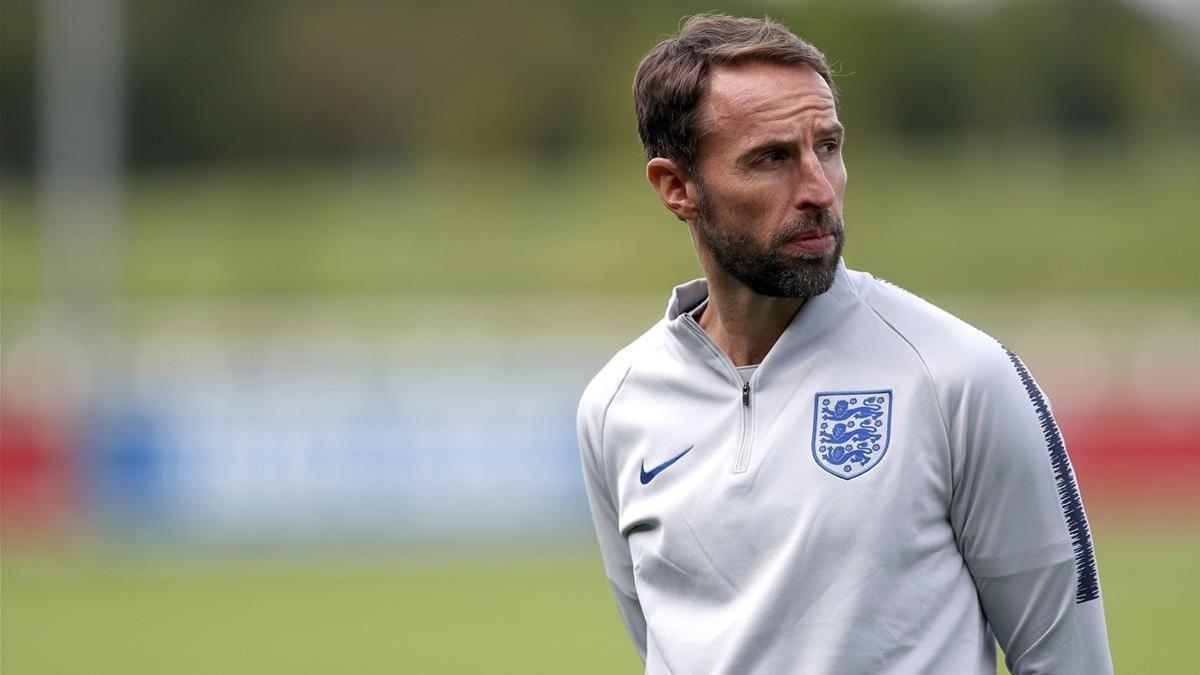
(813, 189)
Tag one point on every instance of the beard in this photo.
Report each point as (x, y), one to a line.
(771, 269)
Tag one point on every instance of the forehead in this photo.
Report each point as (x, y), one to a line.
(747, 100)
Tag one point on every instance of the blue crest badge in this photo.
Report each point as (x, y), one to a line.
(851, 430)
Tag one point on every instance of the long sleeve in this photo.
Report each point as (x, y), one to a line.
(614, 548)
(1020, 524)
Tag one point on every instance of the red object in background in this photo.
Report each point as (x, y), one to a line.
(1127, 457)
(1127, 460)
(38, 488)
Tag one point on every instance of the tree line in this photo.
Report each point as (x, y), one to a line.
(213, 81)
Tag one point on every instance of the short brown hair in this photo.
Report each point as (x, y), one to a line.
(671, 80)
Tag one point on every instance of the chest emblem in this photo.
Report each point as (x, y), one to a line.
(851, 430)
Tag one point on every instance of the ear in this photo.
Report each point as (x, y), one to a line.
(674, 187)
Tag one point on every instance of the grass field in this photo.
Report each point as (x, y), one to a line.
(429, 614)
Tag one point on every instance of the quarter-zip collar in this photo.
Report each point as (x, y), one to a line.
(818, 315)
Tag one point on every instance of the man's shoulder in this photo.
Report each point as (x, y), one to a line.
(951, 348)
(607, 382)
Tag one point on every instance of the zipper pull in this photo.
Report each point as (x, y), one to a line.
(746, 395)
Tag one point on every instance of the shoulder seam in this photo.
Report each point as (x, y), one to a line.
(924, 366)
(603, 423)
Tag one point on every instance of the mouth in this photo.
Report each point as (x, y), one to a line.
(816, 241)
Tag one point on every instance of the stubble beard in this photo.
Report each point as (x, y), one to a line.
(772, 270)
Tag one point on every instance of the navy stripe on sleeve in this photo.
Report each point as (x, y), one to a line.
(1087, 581)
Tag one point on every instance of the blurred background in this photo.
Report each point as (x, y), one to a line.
(299, 298)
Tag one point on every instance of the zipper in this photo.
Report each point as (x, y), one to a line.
(741, 460)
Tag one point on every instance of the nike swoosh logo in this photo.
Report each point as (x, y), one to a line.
(648, 476)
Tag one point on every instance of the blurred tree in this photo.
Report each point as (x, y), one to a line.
(17, 92)
(217, 81)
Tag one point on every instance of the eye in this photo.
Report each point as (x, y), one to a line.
(829, 147)
(774, 156)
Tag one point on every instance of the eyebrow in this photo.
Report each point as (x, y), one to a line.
(835, 129)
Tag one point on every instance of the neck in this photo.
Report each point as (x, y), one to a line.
(743, 323)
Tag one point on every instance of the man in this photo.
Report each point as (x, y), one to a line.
(801, 468)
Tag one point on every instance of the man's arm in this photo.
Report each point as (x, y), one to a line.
(614, 548)
(1020, 524)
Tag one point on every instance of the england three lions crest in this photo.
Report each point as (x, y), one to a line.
(851, 430)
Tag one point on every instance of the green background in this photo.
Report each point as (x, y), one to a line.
(527, 612)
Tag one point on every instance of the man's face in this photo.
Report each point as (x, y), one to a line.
(770, 178)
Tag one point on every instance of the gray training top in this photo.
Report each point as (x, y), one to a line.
(887, 490)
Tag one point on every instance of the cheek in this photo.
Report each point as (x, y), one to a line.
(837, 176)
(742, 205)
(761, 200)
(753, 210)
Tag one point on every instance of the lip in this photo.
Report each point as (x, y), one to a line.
(813, 242)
